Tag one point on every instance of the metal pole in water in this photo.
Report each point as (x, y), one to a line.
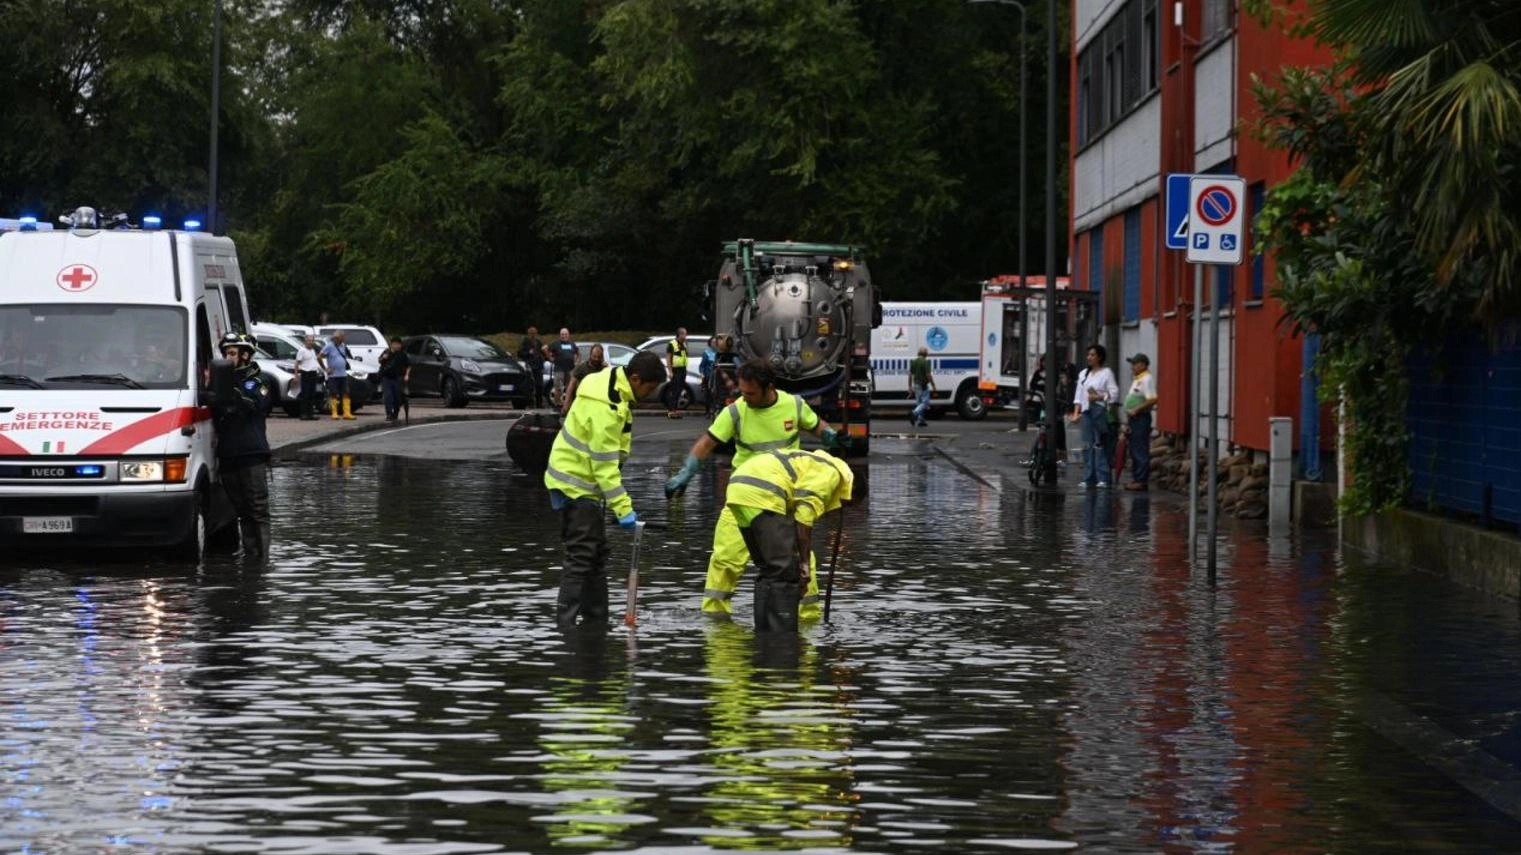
(1214, 426)
(1196, 368)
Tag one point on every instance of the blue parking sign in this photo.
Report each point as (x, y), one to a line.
(1177, 210)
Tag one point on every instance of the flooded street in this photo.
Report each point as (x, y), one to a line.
(1003, 671)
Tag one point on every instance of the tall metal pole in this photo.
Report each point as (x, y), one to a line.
(216, 112)
(1214, 423)
(1053, 424)
(1196, 388)
(1024, 306)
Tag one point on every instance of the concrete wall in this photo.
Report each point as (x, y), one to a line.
(1120, 170)
(1467, 555)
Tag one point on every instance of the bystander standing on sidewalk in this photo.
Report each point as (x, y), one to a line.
(705, 368)
(1096, 390)
(595, 361)
(395, 371)
(1139, 403)
(335, 361)
(676, 365)
(531, 352)
(564, 354)
(310, 371)
(921, 383)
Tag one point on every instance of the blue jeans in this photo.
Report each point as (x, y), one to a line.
(921, 408)
(391, 393)
(1095, 425)
(1140, 447)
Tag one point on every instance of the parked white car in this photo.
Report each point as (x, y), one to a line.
(366, 343)
(282, 346)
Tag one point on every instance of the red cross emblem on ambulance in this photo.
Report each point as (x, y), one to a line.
(77, 277)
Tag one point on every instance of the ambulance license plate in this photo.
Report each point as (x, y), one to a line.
(47, 525)
(506, 387)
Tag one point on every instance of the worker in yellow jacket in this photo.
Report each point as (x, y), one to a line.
(585, 480)
(764, 419)
(775, 498)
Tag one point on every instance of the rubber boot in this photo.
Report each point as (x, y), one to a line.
(582, 603)
(252, 536)
(776, 606)
(332, 406)
(346, 412)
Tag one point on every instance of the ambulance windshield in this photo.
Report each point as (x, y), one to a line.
(92, 343)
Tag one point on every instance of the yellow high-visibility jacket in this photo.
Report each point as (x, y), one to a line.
(775, 428)
(804, 485)
(594, 441)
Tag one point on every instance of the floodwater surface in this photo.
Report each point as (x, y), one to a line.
(1001, 672)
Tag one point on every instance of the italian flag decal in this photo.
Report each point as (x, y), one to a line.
(47, 448)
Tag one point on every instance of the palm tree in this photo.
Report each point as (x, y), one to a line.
(1444, 78)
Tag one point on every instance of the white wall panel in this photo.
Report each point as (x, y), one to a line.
(1215, 99)
(1121, 169)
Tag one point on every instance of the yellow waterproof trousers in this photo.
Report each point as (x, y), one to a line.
(728, 564)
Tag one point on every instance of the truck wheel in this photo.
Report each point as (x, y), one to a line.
(969, 404)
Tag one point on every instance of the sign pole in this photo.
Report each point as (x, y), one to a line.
(1196, 366)
(1214, 425)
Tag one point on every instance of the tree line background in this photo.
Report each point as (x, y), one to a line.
(481, 164)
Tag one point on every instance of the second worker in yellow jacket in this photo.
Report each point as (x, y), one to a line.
(764, 419)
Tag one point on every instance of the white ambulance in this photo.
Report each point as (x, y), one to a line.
(950, 331)
(106, 335)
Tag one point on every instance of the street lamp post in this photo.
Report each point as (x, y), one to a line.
(1023, 270)
(1053, 420)
(216, 110)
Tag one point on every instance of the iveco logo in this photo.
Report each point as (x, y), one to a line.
(47, 472)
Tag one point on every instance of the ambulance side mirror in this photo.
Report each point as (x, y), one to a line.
(223, 380)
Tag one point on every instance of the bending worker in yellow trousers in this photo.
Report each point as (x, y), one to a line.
(764, 419)
(775, 498)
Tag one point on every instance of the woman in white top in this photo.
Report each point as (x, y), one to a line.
(1096, 390)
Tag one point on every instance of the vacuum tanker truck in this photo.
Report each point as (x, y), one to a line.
(808, 310)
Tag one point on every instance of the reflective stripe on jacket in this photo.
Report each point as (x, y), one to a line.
(594, 440)
(801, 484)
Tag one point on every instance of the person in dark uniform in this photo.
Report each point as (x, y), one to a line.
(395, 372)
(242, 447)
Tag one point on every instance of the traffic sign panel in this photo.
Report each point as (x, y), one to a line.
(1215, 224)
(1177, 210)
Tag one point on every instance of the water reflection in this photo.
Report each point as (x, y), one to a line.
(1002, 671)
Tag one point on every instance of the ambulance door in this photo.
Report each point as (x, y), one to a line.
(1012, 344)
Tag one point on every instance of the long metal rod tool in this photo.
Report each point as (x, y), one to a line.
(834, 561)
(631, 608)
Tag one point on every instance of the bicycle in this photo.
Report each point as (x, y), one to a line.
(1042, 460)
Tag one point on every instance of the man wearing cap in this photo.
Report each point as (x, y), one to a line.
(1139, 403)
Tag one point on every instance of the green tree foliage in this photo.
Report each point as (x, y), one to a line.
(1401, 224)
(474, 164)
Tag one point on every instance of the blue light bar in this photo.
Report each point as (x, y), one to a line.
(90, 471)
(192, 225)
(28, 224)
(153, 221)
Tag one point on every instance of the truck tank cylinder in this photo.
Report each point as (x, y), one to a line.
(798, 325)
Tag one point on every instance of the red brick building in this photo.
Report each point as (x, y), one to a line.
(1160, 87)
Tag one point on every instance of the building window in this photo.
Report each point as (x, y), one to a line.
(1149, 46)
(1132, 307)
(1214, 20)
(1257, 194)
(1118, 68)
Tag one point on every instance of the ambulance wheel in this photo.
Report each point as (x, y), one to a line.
(452, 394)
(193, 546)
(969, 404)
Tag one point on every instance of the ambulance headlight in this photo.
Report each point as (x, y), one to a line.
(142, 470)
(470, 365)
(169, 469)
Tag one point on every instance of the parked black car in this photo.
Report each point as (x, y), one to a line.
(461, 368)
